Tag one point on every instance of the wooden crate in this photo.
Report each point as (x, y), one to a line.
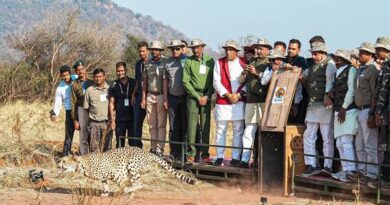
(293, 143)
(279, 98)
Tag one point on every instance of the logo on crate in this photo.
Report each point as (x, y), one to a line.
(279, 95)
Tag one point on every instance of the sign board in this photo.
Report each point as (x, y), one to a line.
(279, 99)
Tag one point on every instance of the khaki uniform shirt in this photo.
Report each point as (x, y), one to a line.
(154, 75)
(96, 102)
(365, 84)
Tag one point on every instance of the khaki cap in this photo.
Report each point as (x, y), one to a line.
(277, 53)
(318, 47)
(156, 45)
(231, 44)
(263, 42)
(367, 46)
(176, 43)
(342, 53)
(383, 42)
(196, 42)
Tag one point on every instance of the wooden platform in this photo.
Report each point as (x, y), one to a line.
(328, 186)
(221, 173)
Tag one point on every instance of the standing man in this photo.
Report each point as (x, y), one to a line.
(185, 48)
(198, 83)
(299, 107)
(136, 96)
(230, 102)
(319, 80)
(120, 108)
(256, 93)
(345, 114)
(281, 45)
(367, 135)
(79, 114)
(96, 102)
(62, 97)
(382, 48)
(177, 97)
(155, 97)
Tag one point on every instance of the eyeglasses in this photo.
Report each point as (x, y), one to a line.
(176, 49)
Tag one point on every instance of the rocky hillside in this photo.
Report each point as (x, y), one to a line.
(19, 15)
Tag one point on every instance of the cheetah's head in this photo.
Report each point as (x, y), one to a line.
(68, 163)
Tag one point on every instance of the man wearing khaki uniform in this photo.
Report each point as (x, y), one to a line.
(154, 97)
(367, 135)
(96, 102)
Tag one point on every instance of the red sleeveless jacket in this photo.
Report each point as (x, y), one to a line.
(225, 79)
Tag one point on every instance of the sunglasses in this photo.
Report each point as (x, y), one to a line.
(176, 49)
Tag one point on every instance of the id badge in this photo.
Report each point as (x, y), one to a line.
(127, 103)
(202, 69)
(103, 97)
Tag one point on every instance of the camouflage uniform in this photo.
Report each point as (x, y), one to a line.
(382, 107)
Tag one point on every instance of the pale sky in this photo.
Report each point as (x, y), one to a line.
(343, 23)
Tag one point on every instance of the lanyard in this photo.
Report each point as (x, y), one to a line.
(127, 88)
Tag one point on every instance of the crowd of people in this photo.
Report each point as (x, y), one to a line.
(342, 97)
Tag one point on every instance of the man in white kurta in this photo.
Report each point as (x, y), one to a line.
(319, 80)
(345, 113)
(230, 106)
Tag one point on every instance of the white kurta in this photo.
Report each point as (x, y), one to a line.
(228, 111)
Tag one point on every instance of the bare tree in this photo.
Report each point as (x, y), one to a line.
(57, 40)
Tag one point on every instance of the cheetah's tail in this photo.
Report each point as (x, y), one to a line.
(173, 171)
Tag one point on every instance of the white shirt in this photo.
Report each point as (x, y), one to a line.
(62, 96)
(229, 111)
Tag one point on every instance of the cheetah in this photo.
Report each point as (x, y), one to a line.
(120, 165)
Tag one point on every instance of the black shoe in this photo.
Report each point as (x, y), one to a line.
(243, 165)
(235, 163)
(218, 162)
(327, 171)
(310, 171)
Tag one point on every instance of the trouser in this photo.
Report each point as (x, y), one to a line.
(366, 143)
(156, 115)
(177, 123)
(309, 142)
(84, 132)
(120, 133)
(386, 170)
(238, 130)
(344, 144)
(247, 140)
(97, 130)
(69, 132)
(198, 116)
(139, 117)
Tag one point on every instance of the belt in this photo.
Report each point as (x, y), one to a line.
(154, 93)
(363, 107)
(178, 96)
(200, 90)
